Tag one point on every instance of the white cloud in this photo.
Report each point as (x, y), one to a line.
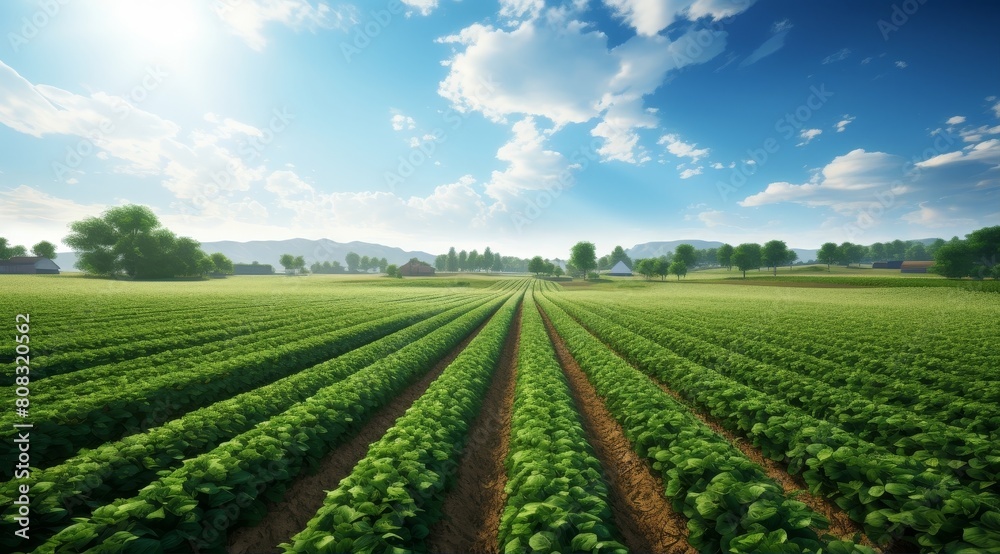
(567, 74)
(518, 9)
(956, 120)
(867, 60)
(681, 149)
(247, 18)
(846, 184)
(844, 122)
(402, 122)
(649, 17)
(691, 172)
(985, 152)
(531, 166)
(807, 135)
(901, 65)
(40, 216)
(837, 56)
(996, 109)
(423, 7)
(936, 218)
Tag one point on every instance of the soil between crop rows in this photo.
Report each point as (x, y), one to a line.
(473, 508)
(642, 514)
(306, 494)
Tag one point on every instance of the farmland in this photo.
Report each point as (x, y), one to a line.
(505, 414)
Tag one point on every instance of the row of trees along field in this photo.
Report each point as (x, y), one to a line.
(474, 261)
(44, 249)
(129, 240)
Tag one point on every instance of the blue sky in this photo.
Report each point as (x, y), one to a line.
(521, 124)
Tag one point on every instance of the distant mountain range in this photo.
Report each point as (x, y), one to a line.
(269, 251)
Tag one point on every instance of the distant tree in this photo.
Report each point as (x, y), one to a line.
(584, 257)
(647, 267)
(896, 250)
(365, 264)
(604, 263)
(932, 247)
(392, 270)
(556, 270)
(954, 260)
(536, 265)
(984, 245)
(790, 258)
(18, 251)
(849, 253)
(828, 254)
(287, 261)
(917, 252)
(747, 256)
(45, 249)
(452, 260)
(382, 265)
(679, 269)
(474, 261)
(4, 248)
(463, 261)
(441, 262)
(877, 251)
(353, 261)
(498, 265)
(487, 259)
(774, 253)
(685, 253)
(725, 256)
(299, 264)
(221, 263)
(619, 255)
(661, 266)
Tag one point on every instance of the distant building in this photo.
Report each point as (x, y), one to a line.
(415, 268)
(620, 270)
(29, 265)
(915, 267)
(894, 264)
(253, 269)
(880, 265)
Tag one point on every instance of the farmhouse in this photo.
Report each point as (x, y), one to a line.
(915, 267)
(253, 269)
(29, 265)
(620, 270)
(415, 268)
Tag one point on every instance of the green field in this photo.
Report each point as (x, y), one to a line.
(834, 412)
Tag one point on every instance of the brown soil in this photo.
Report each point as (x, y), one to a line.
(472, 509)
(646, 520)
(306, 494)
(841, 526)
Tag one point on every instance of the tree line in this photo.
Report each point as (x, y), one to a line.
(44, 249)
(473, 261)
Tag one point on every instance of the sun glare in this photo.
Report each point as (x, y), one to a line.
(159, 30)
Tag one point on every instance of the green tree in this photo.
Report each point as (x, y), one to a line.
(932, 247)
(917, 252)
(441, 262)
(474, 261)
(774, 253)
(679, 269)
(45, 249)
(647, 267)
(685, 253)
(896, 250)
(365, 264)
(536, 265)
(604, 263)
(828, 254)
(287, 261)
(619, 255)
(392, 270)
(583, 256)
(487, 259)
(299, 264)
(18, 251)
(791, 258)
(954, 260)
(222, 264)
(849, 253)
(382, 265)
(984, 245)
(353, 261)
(747, 256)
(498, 265)
(463, 261)
(452, 260)
(877, 252)
(725, 256)
(556, 270)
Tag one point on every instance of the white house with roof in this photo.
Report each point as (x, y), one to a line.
(620, 270)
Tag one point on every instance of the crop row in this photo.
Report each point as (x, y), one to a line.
(557, 499)
(730, 503)
(891, 427)
(119, 469)
(197, 503)
(395, 493)
(103, 412)
(895, 497)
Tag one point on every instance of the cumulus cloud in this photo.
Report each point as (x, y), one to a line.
(402, 122)
(423, 7)
(902, 64)
(956, 120)
(681, 149)
(649, 17)
(247, 18)
(691, 172)
(984, 152)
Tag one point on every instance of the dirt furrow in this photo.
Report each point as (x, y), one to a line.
(472, 510)
(841, 526)
(642, 514)
(306, 494)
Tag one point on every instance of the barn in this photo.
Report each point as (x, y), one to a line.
(29, 265)
(253, 269)
(880, 265)
(915, 267)
(620, 270)
(415, 268)
(894, 264)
